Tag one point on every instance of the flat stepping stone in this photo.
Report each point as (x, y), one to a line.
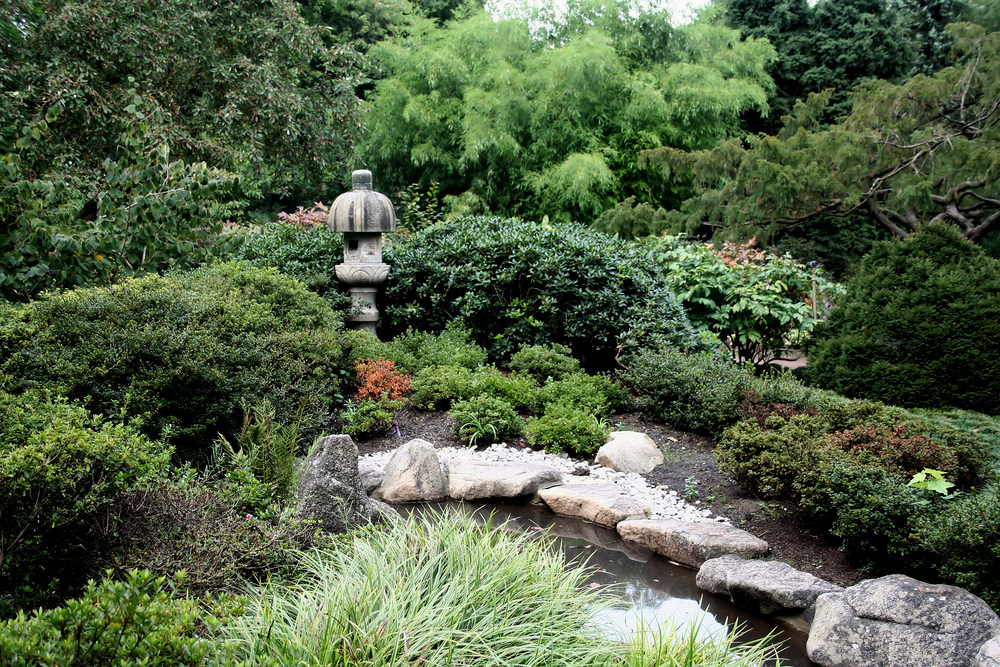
(766, 587)
(692, 543)
(603, 504)
(473, 480)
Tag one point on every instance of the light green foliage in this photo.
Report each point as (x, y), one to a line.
(514, 283)
(597, 394)
(60, 467)
(567, 428)
(906, 155)
(179, 354)
(267, 448)
(757, 303)
(367, 419)
(538, 115)
(485, 419)
(918, 326)
(149, 213)
(415, 350)
(932, 480)
(437, 387)
(695, 391)
(544, 362)
(137, 621)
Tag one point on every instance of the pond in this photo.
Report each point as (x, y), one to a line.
(650, 586)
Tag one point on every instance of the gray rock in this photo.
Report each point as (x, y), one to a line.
(472, 480)
(604, 504)
(330, 488)
(371, 476)
(765, 587)
(413, 474)
(897, 620)
(692, 543)
(629, 451)
(989, 654)
(383, 512)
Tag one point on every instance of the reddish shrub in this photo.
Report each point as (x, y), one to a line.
(377, 378)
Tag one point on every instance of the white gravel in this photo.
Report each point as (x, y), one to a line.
(664, 503)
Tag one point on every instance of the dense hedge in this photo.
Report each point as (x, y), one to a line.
(179, 355)
(514, 283)
(919, 326)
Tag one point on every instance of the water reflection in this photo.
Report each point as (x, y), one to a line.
(654, 590)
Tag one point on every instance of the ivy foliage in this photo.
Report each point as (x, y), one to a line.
(918, 326)
(921, 151)
(519, 114)
(514, 283)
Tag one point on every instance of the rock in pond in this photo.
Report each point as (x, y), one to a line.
(474, 480)
(896, 620)
(770, 588)
(692, 543)
(413, 474)
(629, 451)
(330, 488)
(603, 504)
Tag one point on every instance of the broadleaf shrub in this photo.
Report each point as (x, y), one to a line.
(514, 283)
(379, 377)
(485, 419)
(919, 326)
(60, 467)
(366, 419)
(544, 362)
(180, 354)
(131, 622)
(416, 349)
(567, 428)
(597, 394)
(698, 391)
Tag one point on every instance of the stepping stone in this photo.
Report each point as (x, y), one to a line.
(472, 480)
(691, 543)
(766, 587)
(603, 504)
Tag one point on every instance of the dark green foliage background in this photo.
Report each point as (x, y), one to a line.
(919, 326)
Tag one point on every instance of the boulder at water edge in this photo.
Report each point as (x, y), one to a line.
(604, 504)
(770, 588)
(896, 620)
(330, 488)
(692, 543)
(474, 480)
(413, 474)
(629, 451)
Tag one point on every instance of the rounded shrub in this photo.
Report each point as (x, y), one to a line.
(310, 255)
(514, 283)
(698, 391)
(60, 468)
(180, 354)
(485, 419)
(597, 394)
(544, 362)
(919, 326)
(567, 428)
(415, 350)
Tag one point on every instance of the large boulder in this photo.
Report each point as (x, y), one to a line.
(629, 451)
(692, 543)
(603, 504)
(371, 476)
(330, 488)
(413, 474)
(896, 620)
(989, 654)
(473, 480)
(765, 587)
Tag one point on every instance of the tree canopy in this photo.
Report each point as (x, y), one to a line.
(519, 115)
(927, 150)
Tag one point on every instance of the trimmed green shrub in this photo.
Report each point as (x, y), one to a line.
(567, 428)
(544, 362)
(137, 621)
(367, 419)
(437, 387)
(485, 419)
(514, 388)
(962, 542)
(309, 255)
(596, 394)
(516, 283)
(415, 350)
(180, 354)
(919, 326)
(60, 468)
(698, 391)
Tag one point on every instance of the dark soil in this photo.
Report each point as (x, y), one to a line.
(690, 469)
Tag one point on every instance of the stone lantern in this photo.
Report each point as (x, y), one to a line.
(362, 215)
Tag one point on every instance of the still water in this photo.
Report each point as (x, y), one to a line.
(654, 590)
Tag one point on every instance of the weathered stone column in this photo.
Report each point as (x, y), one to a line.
(362, 216)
